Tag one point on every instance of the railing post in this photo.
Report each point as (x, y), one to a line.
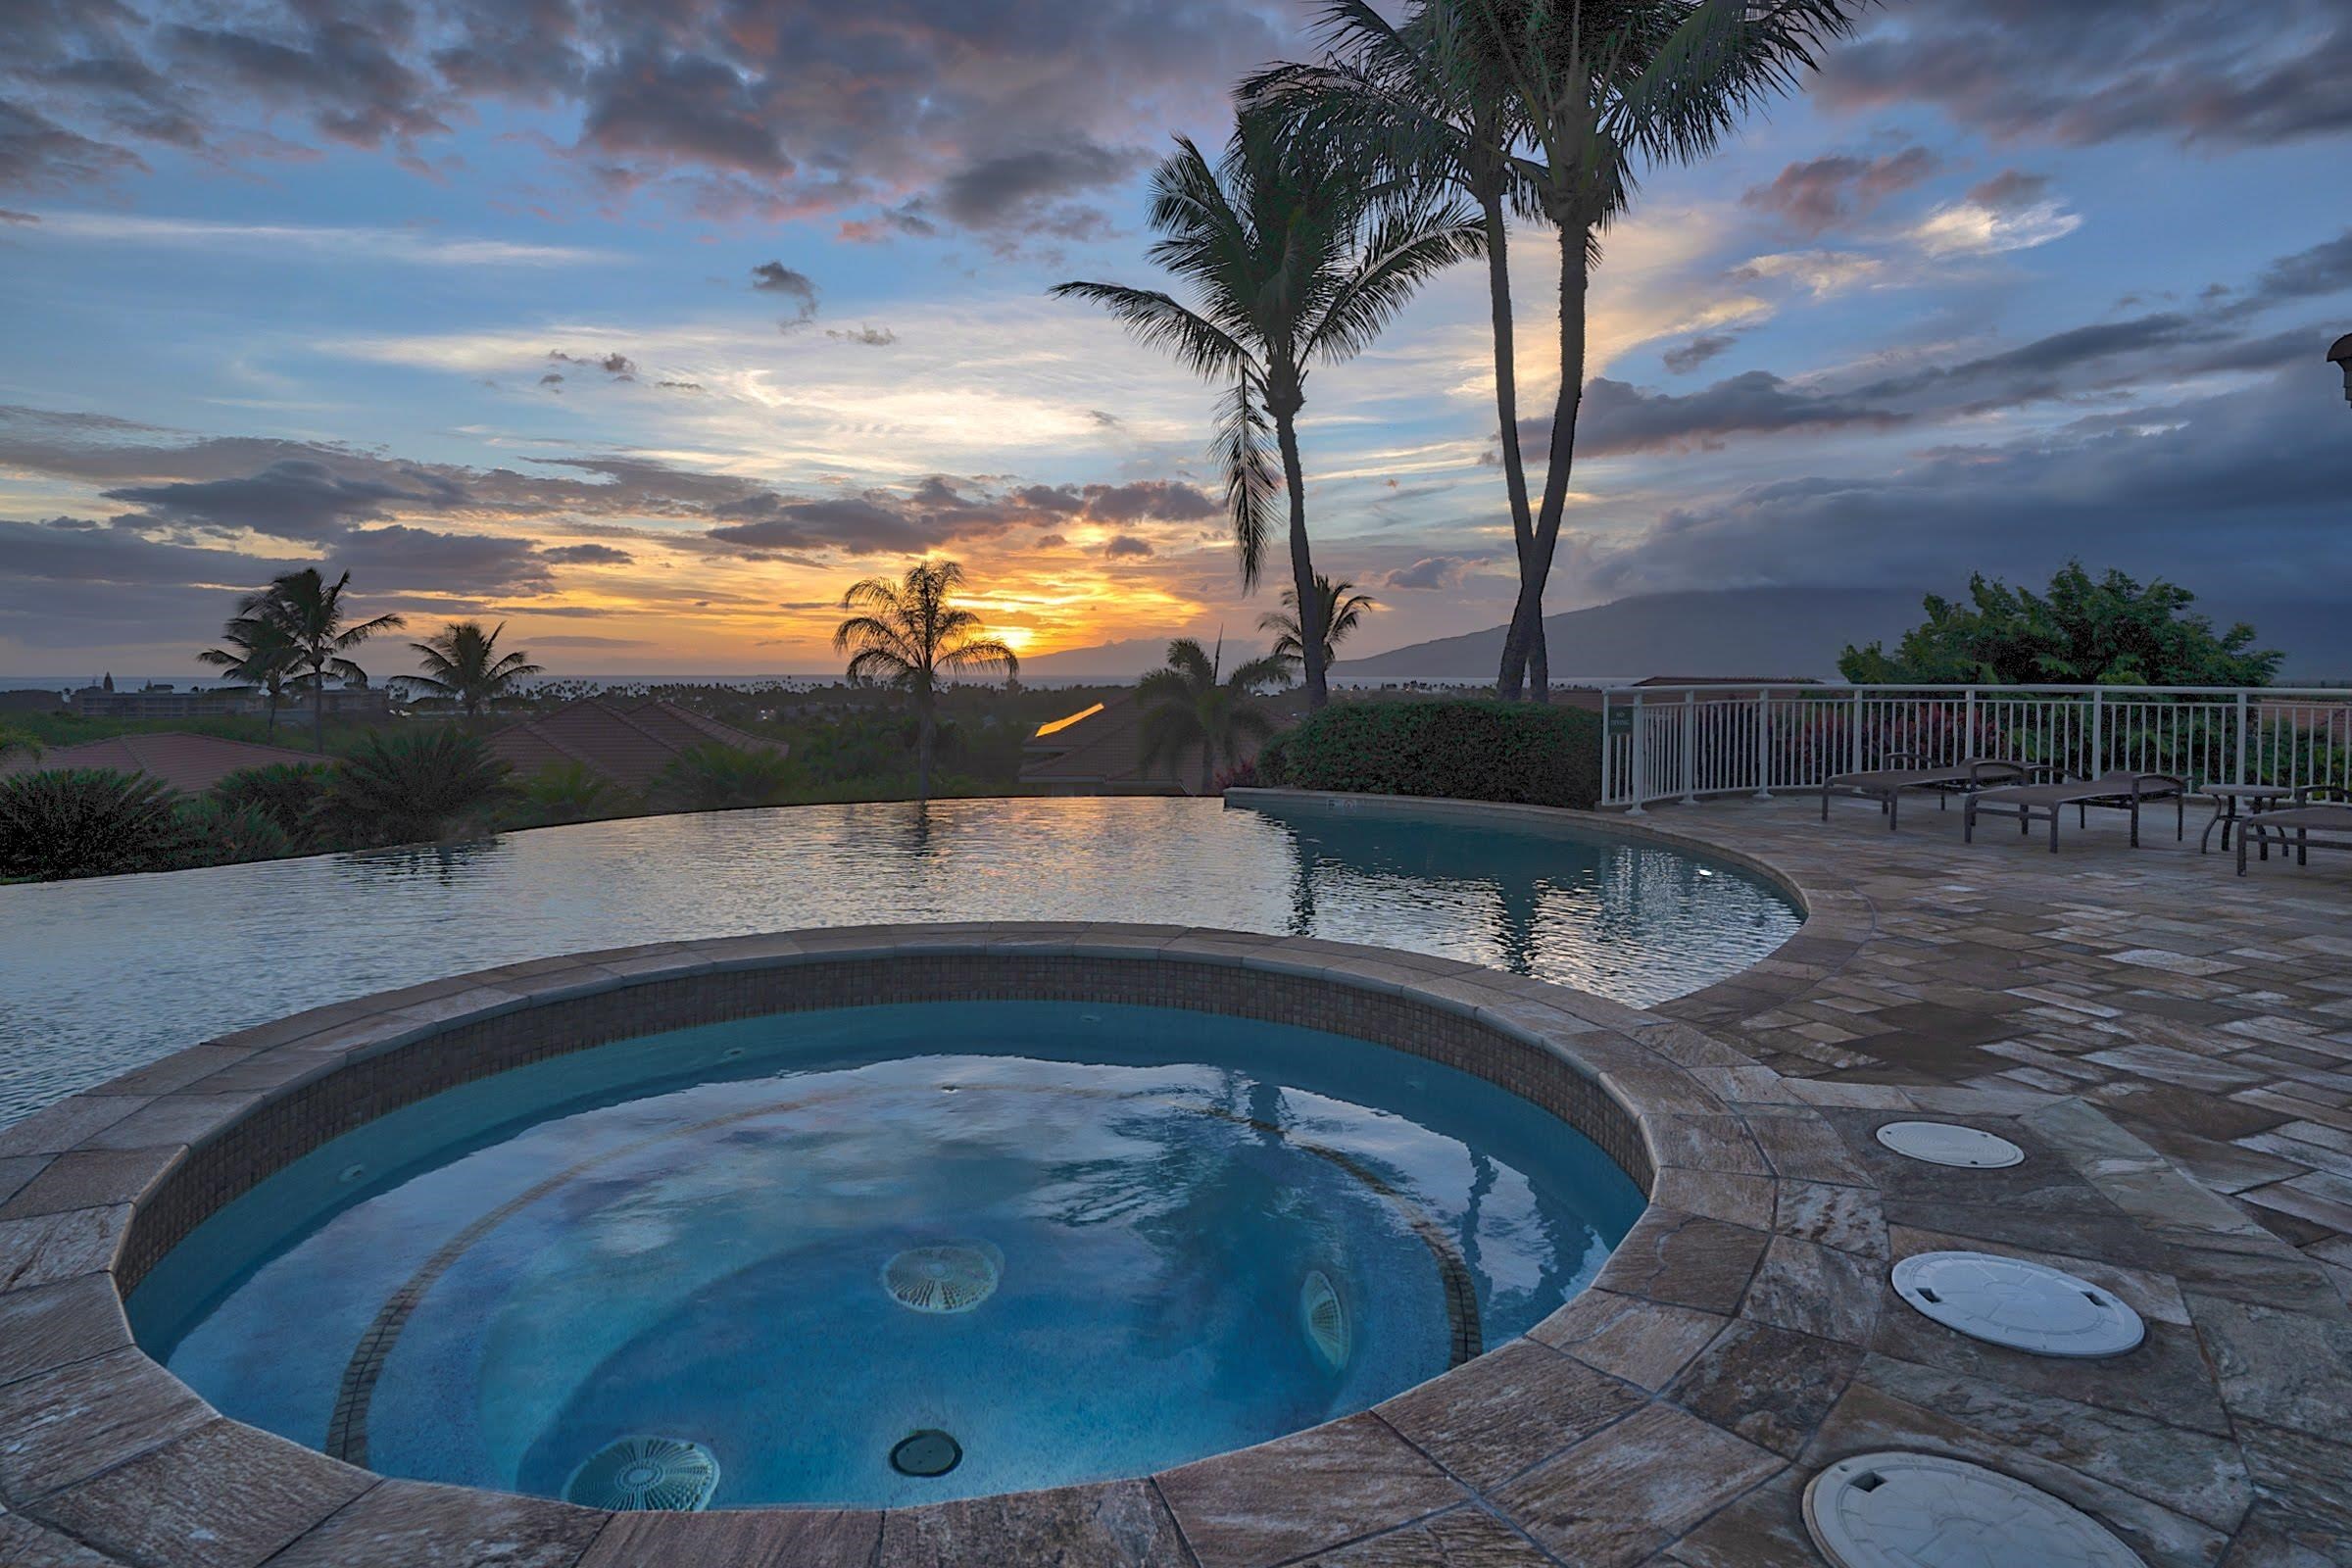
(2239, 775)
(1690, 746)
(1641, 772)
(1967, 734)
(2096, 762)
(1764, 744)
(1855, 735)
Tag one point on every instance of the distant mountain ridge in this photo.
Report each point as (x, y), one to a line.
(1787, 634)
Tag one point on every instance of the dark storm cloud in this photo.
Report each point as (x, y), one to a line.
(396, 557)
(1127, 545)
(2321, 270)
(1824, 192)
(587, 556)
(2145, 490)
(897, 116)
(1165, 500)
(292, 499)
(2092, 70)
(1685, 358)
(1618, 416)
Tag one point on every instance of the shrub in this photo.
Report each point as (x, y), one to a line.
(86, 822)
(289, 794)
(572, 792)
(1472, 749)
(721, 778)
(216, 833)
(429, 784)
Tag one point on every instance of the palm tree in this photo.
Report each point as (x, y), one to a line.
(1186, 705)
(309, 613)
(909, 634)
(1425, 102)
(260, 654)
(1598, 84)
(1338, 610)
(1293, 258)
(463, 660)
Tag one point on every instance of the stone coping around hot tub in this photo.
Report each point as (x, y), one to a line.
(1740, 1336)
(1837, 920)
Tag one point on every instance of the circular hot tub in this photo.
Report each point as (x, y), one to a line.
(884, 1255)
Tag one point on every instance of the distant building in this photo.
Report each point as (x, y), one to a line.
(627, 743)
(158, 699)
(1097, 750)
(33, 701)
(191, 763)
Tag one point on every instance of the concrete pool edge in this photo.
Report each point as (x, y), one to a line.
(1751, 1233)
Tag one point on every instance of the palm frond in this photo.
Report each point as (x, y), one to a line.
(1248, 467)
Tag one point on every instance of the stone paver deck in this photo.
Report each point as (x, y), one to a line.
(2210, 1014)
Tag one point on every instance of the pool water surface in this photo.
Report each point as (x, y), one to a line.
(1079, 1241)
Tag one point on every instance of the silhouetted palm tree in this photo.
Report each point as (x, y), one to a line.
(310, 611)
(1186, 705)
(260, 655)
(910, 634)
(463, 660)
(1292, 258)
(1338, 610)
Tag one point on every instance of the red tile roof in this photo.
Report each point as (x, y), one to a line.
(628, 743)
(184, 762)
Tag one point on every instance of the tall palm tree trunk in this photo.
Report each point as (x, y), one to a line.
(923, 734)
(317, 711)
(1506, 394)
(1527, 617)
(269, 725)
(1303, 566)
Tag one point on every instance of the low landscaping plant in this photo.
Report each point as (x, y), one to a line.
(440, 783)
(86, 822)
(1473, 749)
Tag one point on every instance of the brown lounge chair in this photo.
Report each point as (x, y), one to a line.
(2115, 790)
(2295, 824)
(1886, 785)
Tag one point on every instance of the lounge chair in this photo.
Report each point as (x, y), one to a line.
(2296, 824)
(1886, 785)
(2116, 791)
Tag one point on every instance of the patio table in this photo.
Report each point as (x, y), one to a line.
(2258, 797)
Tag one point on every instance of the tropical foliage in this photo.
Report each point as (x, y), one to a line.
(462, 662)
(1292, 258)
(308, 612)
(1187, 707)
(1458, 750)
(15, 744)
(1338, 610)
(573, 792)
(911, 635)
(258, 654)
(84, 822)
(1551, 109)
(216, 832)
(722, 778)
(2081, 631)
(434, 784)
(290, 795)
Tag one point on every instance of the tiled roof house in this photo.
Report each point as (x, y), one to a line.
(188, 763)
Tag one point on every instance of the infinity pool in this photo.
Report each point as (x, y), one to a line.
(98, 977)
(884, 1255)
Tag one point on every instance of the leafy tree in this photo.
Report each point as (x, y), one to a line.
(1186, 705)
(908, 635)
(215, 832)
(718, 777)
(289, 794)
(1338, 610)
(407, 788)
(260, 655)
(309, 613)
(2083, 631)
(86, 822)
(1293, 256)
(462, 662)
(573, 792)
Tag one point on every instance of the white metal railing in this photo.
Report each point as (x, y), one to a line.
(1670, 743)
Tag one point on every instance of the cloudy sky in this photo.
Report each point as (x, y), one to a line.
(649, 326)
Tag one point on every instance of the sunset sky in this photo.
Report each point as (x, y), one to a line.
(646, 328)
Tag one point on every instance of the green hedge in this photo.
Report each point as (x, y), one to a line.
(1464, 750)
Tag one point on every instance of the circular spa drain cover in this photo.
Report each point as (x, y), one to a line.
(2026, 1307)
(641, 1473)
(1326, 1320)
(952, 1278)
(926, 1453)
(1940, 1143)
(1921, 1510)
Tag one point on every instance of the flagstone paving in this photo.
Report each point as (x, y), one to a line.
(2210, 1014)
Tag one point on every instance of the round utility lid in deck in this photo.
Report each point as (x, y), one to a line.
(2026, 1307)
(1943, 1142)
(1921, 1510)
